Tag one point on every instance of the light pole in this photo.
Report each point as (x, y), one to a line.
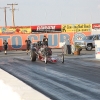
(13, 22)
(74, 28)
(5, 14)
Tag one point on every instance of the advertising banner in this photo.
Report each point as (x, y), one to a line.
(46, 28)
(96, 28)
(76, 28)
(16, 30)
(97, 49)
(55, 40)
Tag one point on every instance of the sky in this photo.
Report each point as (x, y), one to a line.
(51, 12)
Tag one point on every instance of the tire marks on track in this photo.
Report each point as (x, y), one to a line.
(53, 79)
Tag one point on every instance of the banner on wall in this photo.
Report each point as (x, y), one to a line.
(76, 28)
(15, 30)
(96, 28)
(55, 40)
(97, 49)
(46, 28)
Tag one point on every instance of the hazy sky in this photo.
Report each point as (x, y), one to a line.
(42, 12)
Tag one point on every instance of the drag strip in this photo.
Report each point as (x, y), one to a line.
(73, 80)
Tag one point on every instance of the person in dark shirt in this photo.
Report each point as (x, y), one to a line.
(5, 44)
(45, 40)
(28, 43)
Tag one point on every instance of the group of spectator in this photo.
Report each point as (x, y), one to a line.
(28, 43)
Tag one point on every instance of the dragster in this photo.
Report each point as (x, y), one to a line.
(39, 51)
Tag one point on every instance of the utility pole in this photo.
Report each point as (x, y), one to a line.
(13, 22)
(5, 14)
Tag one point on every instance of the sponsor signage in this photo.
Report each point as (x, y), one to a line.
(94, 26)
(46, 28)
(97, 49)
(76, 28)
(16, 30)
(17, 41)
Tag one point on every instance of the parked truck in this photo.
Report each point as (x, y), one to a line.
(88, 42)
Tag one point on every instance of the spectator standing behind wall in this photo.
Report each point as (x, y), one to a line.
(28, 43)
(67, 46)
(5, 45)
(73, 48)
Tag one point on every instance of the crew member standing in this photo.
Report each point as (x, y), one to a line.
(5, 44)
(45, 40)
(28, 43)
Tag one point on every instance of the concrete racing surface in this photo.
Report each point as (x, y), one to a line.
(77, 79)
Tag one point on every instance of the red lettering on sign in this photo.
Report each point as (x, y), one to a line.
(45, 27)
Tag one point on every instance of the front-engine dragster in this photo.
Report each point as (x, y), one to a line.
(39, 51)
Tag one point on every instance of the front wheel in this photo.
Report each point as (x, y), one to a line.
(45, 59)
(89, 47)
(62, 58)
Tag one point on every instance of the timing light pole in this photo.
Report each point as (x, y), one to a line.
(13, 22)
(5, 14)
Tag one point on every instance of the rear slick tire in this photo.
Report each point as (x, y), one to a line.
(33, 56)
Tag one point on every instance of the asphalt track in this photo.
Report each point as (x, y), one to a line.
(77, 79)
